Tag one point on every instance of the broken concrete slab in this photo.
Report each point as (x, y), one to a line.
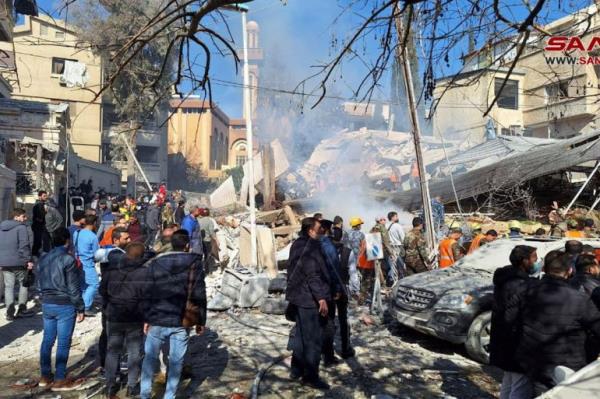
(265, 247)
(224, 195)
(220, 302)
(285, 230)
(274, 305)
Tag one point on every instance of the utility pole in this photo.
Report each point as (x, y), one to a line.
(402, 54)
(132, 135)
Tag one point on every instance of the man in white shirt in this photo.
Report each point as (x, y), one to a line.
(396, 234)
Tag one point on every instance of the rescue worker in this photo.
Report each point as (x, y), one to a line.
(514, 227)
(353, 242)
(573, 230)
(589, 228)
(450, 249)
(482, 239)
(380, 227)
(417, 253)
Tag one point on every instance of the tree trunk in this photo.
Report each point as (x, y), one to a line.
(131, 183)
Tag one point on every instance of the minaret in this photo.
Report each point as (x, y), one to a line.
(255, 57)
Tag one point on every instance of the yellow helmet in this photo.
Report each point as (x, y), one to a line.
(514, 224)
(356, 221)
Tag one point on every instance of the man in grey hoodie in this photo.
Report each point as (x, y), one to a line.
(15, 260)
(53, 218)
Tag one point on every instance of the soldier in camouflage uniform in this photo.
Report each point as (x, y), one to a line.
(381, 228)
(417, 253)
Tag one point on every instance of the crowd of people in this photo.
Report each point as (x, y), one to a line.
(141, 266)
(150, 283)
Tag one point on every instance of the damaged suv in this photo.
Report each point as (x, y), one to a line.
(454, 304)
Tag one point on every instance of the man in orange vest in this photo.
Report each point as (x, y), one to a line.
(482, 239)
(573, 230)
(450, 249)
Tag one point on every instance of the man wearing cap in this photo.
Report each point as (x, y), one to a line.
(417, 251)
(380, 227)
(450, 249)
(482, 239)
(353, 241)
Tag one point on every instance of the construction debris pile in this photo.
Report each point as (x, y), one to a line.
(243, 282)
(381, 159)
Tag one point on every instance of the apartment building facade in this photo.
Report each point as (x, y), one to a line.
(541, 98)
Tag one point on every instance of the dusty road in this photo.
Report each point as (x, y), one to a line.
(391, 361)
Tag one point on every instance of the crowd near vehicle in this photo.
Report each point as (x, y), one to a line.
(454, 304)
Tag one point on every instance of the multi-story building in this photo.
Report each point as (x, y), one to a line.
(198, 144)
(48, 56)
(44, 49)
(541, 98)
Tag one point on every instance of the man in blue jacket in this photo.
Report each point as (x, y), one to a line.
(86, 245)
(190, 224)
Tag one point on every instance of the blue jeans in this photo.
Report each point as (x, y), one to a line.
(177, 337)
(59, 320)
(89, 285)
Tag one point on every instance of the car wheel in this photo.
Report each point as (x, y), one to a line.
(478, 338)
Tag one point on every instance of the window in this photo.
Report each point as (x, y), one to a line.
(44, 30)
(240, 160)
(509, 97)
(58, 65)
(556, 92)
(146, 154)
(59, 34)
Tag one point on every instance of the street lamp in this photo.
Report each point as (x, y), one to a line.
(249, 144)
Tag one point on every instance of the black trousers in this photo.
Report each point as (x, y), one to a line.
(118, 334)
(329, 334)
(306, 354)
(41, 240)
(103, 342)
(342, 309)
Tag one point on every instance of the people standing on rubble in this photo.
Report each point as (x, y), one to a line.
(123, 290)
(555, 324)
(86, 245)
(450, 251)
(417, 252)
(574, 230)
(354, 241)
(175, 302)
(190, 224)
(15, 262)
(510, 287)
(308, 292)
(62, 305)
(206, 225)
(514, 227)
(389, 273)
(41, 239)
(589, 229)
(483, 239)
(397, 236)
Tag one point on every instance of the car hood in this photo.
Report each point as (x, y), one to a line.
(454, 278)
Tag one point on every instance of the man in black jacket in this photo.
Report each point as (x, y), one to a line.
(62, 305)
(308, 291)
(41, 238)
(168, 290)
(556, 323)
(123, 289)
(587, 272)
(109, 259)
(510, 285)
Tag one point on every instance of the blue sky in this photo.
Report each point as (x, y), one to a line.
(301, 33)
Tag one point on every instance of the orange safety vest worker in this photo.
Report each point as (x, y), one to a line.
(414, 169)
(446, 255)
(476, 242)
(574, 234)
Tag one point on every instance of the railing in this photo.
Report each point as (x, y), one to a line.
(563, 109)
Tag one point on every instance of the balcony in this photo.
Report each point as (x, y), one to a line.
(564, 109)
(6, 20)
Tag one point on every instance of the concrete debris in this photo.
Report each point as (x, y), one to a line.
(244, 288)
(220, 303)
(274, 305)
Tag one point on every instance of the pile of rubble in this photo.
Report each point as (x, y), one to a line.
(240, 283)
